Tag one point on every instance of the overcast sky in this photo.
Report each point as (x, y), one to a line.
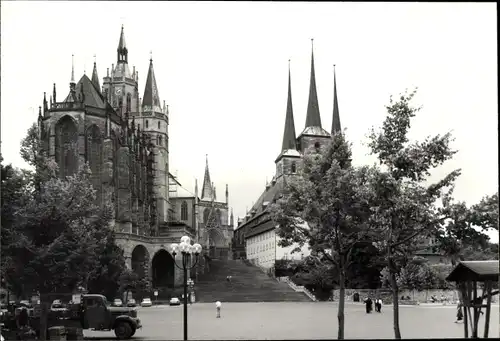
(223, 67)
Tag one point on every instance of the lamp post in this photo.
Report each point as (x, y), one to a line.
(186, 250)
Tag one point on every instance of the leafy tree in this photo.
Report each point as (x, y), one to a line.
(105, 277)
(485, 213)
(53, 238)
(404, 206)
(458, 233)
(14, 184)
(364, 272)
(325, 206)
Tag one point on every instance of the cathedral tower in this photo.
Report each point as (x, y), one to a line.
(288, 160)
(153, 120)
(120, 87)
(313, 134)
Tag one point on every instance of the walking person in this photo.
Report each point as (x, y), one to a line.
(460, 315)
(378, 305)
(218, 305)
(369, 305)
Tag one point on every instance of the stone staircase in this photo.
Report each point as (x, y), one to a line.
(248, 284)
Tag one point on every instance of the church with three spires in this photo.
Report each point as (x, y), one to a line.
(254, 237)
(124, 140)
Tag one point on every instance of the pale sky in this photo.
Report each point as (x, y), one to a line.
(223, 67)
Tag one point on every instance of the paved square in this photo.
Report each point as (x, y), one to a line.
(289, 320)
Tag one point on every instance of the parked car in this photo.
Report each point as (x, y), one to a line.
(146, 302)
(117, 302)
(25, 303)
(131, 303)
(57, 306)
(175, 301)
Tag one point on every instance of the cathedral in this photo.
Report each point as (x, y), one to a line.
(124, 139)
(255, 237)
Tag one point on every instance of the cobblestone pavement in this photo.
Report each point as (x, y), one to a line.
(289, 320)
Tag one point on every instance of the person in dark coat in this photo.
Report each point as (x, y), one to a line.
(369, 305)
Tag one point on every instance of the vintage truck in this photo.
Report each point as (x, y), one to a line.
(92, 312)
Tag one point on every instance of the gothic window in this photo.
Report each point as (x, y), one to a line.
(129, 102)
(218, 217)
(66, 146)
(160, 141)
(116, 146)
(294, 167)
(206, 212)
(93, 155)
(184, 211)
(147, 124)
(158, 124)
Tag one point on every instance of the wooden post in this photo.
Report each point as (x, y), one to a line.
(475, 310)
(488, 286)
(464, 306)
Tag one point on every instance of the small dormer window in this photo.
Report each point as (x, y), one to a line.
(294, 167)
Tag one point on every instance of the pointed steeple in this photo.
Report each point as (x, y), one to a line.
(336, 128)
(289, 138)
(95, 77)
(72, 81)
(207, 190)
(313, 119)
(151, 99)
(122, 51)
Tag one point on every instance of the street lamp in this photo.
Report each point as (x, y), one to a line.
(186, 250)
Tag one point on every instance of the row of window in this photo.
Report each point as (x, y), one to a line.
(265, 259)
(261, 237)
(147, 124)
(259, 248)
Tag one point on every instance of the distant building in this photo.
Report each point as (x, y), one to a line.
(255, 237)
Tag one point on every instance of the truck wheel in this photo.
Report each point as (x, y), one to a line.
(123, 330)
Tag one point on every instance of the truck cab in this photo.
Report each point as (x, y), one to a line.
(98, 314)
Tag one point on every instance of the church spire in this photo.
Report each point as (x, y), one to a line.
(289, 137)
(151, 99)
(313, 119)
(207, 190)
(336, 128)
(95, 77)
(122, 50)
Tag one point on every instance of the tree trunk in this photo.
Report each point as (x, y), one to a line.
(395, 304)
(44, 312)
(340, 313)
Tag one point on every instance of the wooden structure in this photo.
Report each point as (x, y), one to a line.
(467, 275)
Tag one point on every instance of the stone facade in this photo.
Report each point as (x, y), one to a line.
(124, 140)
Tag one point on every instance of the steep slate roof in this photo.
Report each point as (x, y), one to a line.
(313, 118)
(92, 95)
(95, 78)
(479, 271)
(336, 116)
(289, 138)
(268, 197)
(207, 191)
(121, 43)
(151, 97)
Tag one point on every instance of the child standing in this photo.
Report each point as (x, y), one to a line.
(218, 305)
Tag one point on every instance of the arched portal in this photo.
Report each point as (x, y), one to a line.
(140, 261)
(163, 267)
(217, 244)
